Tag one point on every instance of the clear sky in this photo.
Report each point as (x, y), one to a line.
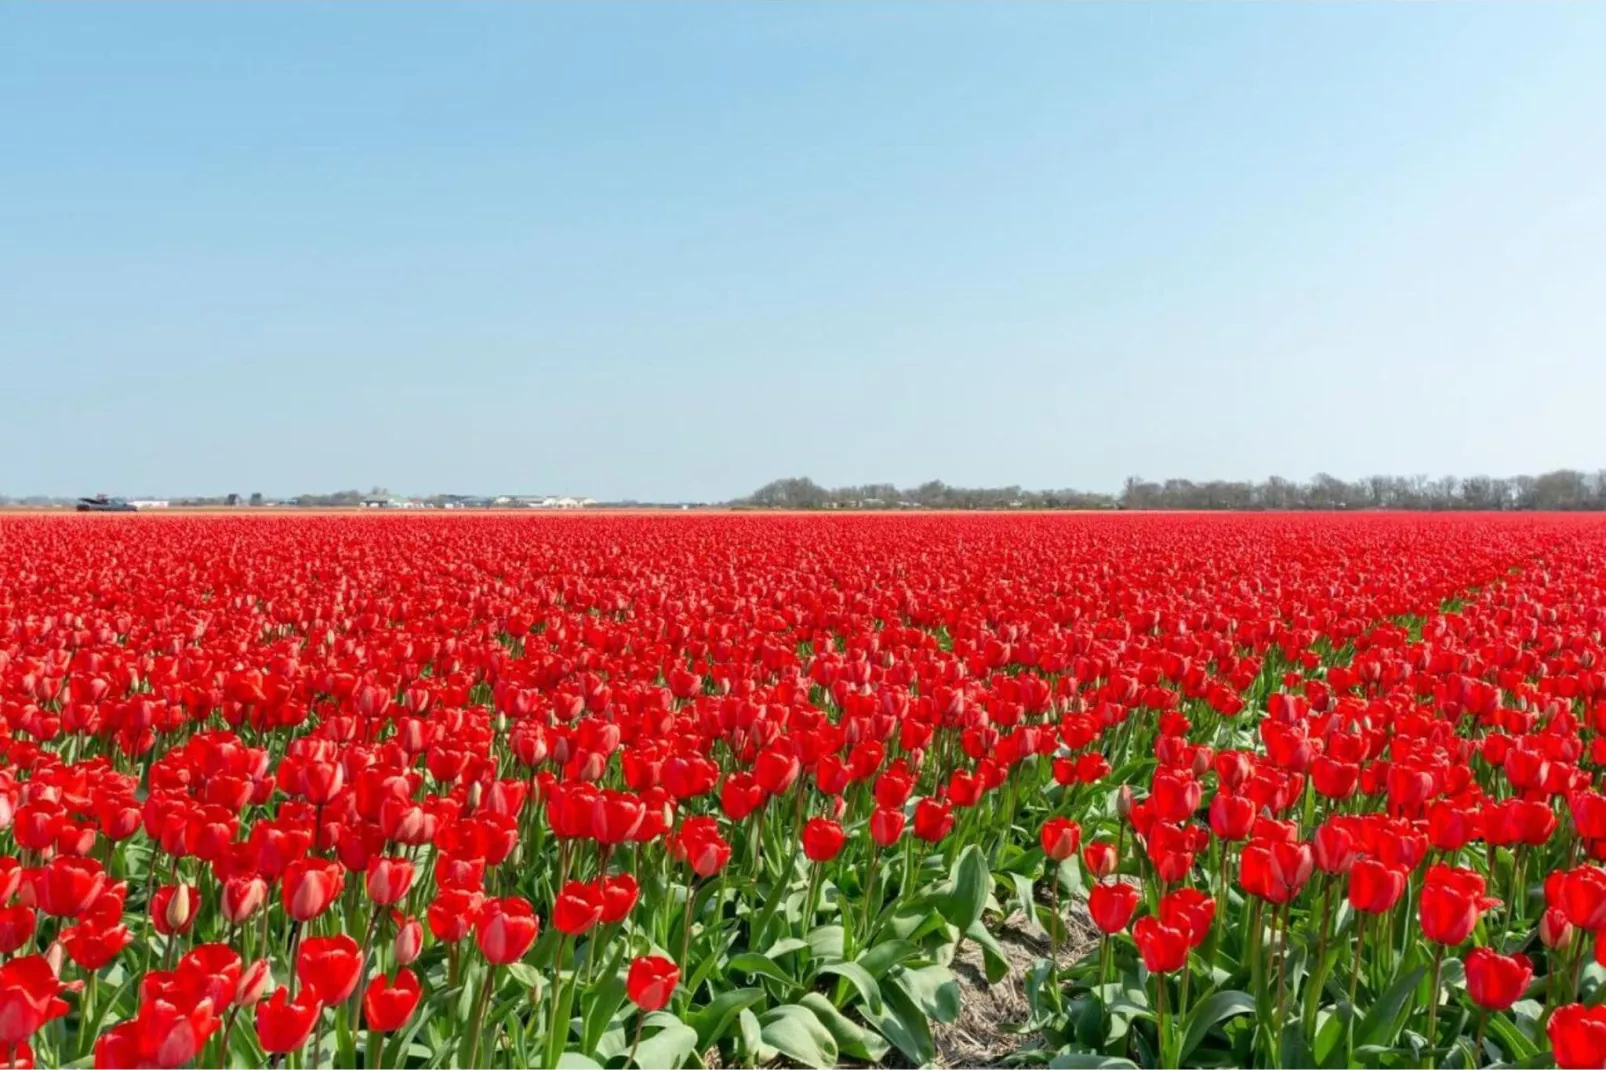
(665, 251)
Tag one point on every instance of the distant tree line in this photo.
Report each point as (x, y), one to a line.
(1560, 491)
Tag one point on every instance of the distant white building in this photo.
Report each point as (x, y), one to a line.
(149, 503)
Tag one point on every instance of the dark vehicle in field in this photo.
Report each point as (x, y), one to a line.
(102, 504)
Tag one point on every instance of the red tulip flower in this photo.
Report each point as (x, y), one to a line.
(243, 897)
(453, 912)
(173, 908)
(1334, 850)
(822, 839)
(1111, 905)
(886, 826)
(66, 886)
(619, 894)
(1232, 817)
(1189, 910)
(388, 880)
(1164, 949)
(1176, 795)
(1578, 1037)
(17, 923)
(409, 939)
(1099, 859)
(577, 909)
(284, 1025)
(1496, 981)
(1060, 838)
(1554, 928)
(1583, 897)
(29, 997)
(651, 982)
(310, 885)
(388, 1004)
(329, 965)
(1374, 887)
(933, 820)
(506, 928)
(1452, 901)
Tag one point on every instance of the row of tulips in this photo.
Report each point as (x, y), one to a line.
(367, 791)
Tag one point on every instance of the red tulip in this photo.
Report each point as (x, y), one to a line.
(388, 880)
(886, 826)
(1111, 905)
(1374, 888)
(1189, 910)
(1232, 817)
(243, 897)
(933, 820)
(17, 924)
(1060, 838)
(577, 909)
(1450, 906)
(310, 885)
(330, 966)
(1578, 1037)
(1176, 796)
(822, 839)
(505, 930)
(409, 939)
(651, 982)
(1554, 928)
(66, 886)
(171, 1035)
(1333, 779)
(1099, 859)
(388, 1004)
(1164, 949)
(29, 997)
(619, 894)
(1496, 981)
(284, 1025)
(173, 909)
(1583, 897)
(1333, 848)
(453, 912)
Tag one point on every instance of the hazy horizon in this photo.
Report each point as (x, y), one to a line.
(671, 252)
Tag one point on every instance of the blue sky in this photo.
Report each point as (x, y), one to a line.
(665, 251)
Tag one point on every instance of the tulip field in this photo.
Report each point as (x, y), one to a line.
(729, 789)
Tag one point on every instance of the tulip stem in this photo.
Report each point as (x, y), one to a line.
(478, 1021)
(1282, 966)
(362, 971)
(1159, 985)
(1317, 973)
(1477, 1042)
(685, 933)
(555, 1039)
(869, 887)
(1054, 929)
(1433, 1003)
(636, 1043)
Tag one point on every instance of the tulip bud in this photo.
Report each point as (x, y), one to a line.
(475, 790)
(254, 981)
(409, 941)
(56, 956)
(243, 897)
(1123, 802)
(179, 908)
(1554, 928)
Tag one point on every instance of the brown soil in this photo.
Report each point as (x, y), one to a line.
(978, 1037)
